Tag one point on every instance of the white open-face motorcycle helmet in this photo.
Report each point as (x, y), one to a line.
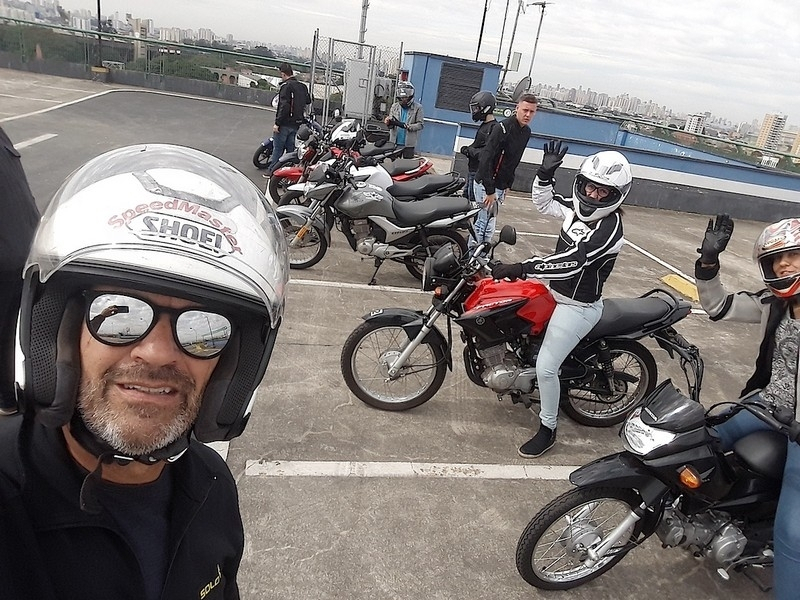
(608, 169)
(780, 237)
(167, 220)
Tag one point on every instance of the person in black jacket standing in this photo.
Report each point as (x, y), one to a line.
(481, 107)
(20, 217)
(590, 239)
(145, 332)
(497, 164)
(293, 97)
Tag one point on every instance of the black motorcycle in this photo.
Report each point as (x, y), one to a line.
(674, 480)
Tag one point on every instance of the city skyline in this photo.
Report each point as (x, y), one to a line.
(731, 59)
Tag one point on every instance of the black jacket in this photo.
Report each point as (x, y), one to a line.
(473, 152)
(293, 97)
(52, 550)
(20, 215)
(501, 155)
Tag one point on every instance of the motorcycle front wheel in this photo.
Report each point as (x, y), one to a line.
(277, 187)
(591, 401)
(261, 157)
(309, 250)
(294, 197)
(369, 352)
(436, 239)
(553, 549)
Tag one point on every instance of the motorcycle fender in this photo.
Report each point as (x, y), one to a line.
(298, 215)
(620, 470)
(297, 187)
(291, 172)
(411, 322)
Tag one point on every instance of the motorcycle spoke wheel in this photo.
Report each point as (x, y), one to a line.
(591, 402)
(308, 251)
(436, 240)
(277, 187)
(553, 549)
(367, 355)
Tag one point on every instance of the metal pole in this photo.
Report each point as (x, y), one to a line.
(483, 22)
(99, 37)
(536, 42)
(502, 32)
(511, 45)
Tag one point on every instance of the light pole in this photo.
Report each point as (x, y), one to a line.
(541, 5)
(99, 37)
(483, 23)
(511, 44)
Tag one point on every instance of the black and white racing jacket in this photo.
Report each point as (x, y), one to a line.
(585, 252)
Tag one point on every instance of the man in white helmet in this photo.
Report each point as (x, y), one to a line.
(774, 380)
(153, 294)
(586, 250)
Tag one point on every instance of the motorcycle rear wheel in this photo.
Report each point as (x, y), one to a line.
(261, 157)
(552, 550)
(366, 356)
(635, 376)
(436, 239)
(311, 249)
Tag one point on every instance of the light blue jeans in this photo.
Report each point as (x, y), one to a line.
(283, 141)
(786, 574)
(567, 327)
(485, 222)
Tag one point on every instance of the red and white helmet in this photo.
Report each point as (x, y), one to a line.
(780, 237)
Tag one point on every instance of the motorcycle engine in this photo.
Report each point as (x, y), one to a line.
(710, 534)
(364, 240)
(503, 371)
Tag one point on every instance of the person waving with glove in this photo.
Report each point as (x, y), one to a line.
(774, 381)
(586, 250)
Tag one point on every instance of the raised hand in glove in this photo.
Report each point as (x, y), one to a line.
(512, 271)
(718, 233)
(554, 153)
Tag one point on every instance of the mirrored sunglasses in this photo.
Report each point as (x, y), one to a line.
(121, 319)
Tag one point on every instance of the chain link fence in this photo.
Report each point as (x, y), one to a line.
(358, 79)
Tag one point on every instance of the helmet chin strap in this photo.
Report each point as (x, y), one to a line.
(106, 455)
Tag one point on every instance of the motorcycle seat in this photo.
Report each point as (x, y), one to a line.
(763, 452)
(430, 209)
(626, 315)
(373, 150)
(401, 165)
(421, 186)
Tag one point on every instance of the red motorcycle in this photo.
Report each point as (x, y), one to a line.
(397, 359)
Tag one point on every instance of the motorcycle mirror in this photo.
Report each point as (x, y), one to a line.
(508, 235)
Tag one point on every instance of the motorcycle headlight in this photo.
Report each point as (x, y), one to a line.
(427, 275)
(640, 438)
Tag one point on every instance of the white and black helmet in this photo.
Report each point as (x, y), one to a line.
(609, 169)
(780, 237)
(482, 105)
(404, 92)
(168, 220)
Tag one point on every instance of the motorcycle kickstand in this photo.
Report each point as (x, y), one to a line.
(378, 263)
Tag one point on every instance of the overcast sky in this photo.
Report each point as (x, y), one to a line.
(734, 58)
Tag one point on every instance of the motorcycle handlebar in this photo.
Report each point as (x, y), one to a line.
(780, 418)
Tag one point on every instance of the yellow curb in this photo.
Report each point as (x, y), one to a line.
(682, 286)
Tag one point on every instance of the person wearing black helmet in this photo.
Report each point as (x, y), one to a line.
(481, 107)
(405, 119)
(153, 294)
(773, 383)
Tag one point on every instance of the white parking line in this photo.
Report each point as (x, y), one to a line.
(36, 140)
(301, 468)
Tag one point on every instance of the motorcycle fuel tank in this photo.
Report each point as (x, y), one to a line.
(490, 295)
(365, 201)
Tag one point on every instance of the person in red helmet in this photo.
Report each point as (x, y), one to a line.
(774, 381)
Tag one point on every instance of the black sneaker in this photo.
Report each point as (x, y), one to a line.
(538, 444)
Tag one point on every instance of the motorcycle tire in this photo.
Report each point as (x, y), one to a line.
(552, 549)
(635, 376)
(295, 197)
(277, 187)
(436, 239)
(261, 157)
(364, 367)
(311, 248)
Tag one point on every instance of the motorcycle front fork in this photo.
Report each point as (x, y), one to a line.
(430, 318)
(596, 554)
(307, 226)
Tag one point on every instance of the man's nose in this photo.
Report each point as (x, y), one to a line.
(158, 347)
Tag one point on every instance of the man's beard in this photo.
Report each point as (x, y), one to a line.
(121, 426)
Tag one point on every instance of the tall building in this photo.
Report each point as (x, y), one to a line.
(769, 137)
(695, 123)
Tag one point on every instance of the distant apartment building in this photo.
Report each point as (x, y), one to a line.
(796, 146)
(769, 137)
(695, 123)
